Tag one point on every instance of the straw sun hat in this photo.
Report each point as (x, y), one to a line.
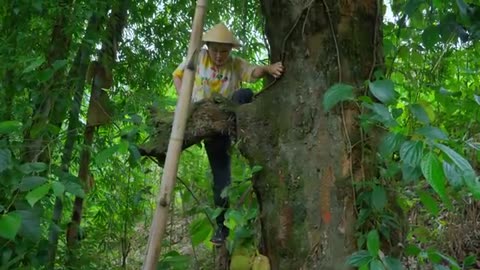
(220, 34)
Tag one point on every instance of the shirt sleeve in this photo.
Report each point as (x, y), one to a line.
(245, 70)
(178, 72)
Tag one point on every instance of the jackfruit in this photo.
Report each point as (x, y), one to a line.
(261, 262)
(240, 262)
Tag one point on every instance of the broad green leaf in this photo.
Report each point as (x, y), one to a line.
(429, 202)
(420, 113)
(5, 159)
(200, 229)
(74, 188)
(38, 193)
(105, 154)
(335, 94)
(460, 161)
(379, 197)
(123, 147)
(10, 225)
(411, 152)
(359, 258)
(452, 174)
(58, 189)
(256, 169)
(36, 167)
(453, 263)
(390, 143)
(376, 264)
(384, 91)
(433, 133)
(412, 250)
(433, 172)
(34, 64)
(383, 115)
(470, 260)
(430, 36)
(473, 185)
(393, 263)
(7, 127)
(373, 243)
(31, 228)
(30, 182)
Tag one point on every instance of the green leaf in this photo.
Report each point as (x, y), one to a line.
(412, 250)
(384, 91)
(432, 133)
(410, 173)
(256, 169)
(58, 189)
(433, 172)
(376, 264)
(390, 143)
(5, 159)
(420, 113)
(461, 162)
(470, 260)
(30, 182)
(105, 154)
(31, 220)
(337, 93)
(36, 167)
(74, 188)
(411, 152)
(200, 229)
(430, 36)
(393, 263)
(429, 202)
(379, 197)
(10, 225)
(359, 258)
(373, 243)
(38, 193)
(34, 64)
(382, 114)
(7, 127)
(452, 174)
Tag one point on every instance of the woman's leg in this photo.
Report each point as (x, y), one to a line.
(217, 151)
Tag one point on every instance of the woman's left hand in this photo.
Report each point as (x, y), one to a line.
(276, 69)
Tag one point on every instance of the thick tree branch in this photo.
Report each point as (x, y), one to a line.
(206, 119)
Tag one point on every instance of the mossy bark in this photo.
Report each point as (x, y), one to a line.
(307, 154)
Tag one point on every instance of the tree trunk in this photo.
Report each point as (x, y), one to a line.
(35, 139)
(101, 79)
(77, 76)
(305, 188)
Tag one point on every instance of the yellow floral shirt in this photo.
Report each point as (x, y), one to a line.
(210, 79)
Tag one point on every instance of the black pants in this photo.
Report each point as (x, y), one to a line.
(217, 151)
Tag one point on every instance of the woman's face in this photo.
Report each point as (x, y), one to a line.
(219, 52)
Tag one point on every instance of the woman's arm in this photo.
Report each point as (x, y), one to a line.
(276, 70)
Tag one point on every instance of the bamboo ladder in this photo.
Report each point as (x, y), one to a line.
(159, 221)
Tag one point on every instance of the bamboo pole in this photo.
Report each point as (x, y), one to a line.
(159, 221)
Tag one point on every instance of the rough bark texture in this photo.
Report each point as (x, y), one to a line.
(206, 119)
(305, 187)
(310, 157)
